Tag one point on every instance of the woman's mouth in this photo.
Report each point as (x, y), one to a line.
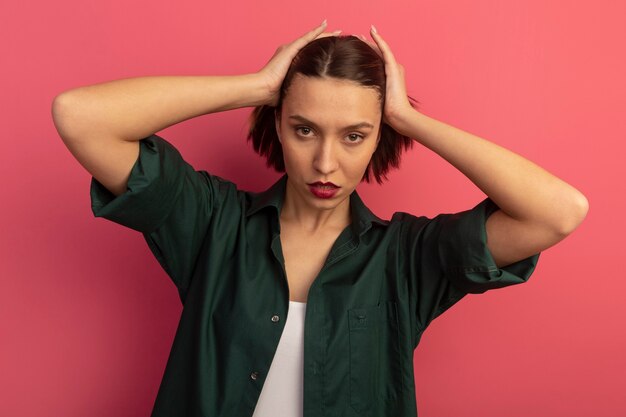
(323, 189)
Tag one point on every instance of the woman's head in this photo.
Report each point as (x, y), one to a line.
(326, 65)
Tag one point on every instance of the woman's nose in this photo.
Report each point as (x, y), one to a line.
(325, 160)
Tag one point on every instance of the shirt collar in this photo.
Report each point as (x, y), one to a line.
(362, 217)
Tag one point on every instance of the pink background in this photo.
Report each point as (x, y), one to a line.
(87, 316)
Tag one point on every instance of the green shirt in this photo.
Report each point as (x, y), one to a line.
(382, 284)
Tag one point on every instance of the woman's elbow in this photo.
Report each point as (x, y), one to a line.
(575, 216)
(68, 117)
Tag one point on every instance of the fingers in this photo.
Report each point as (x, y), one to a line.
(325, 34)
(372, 44)
(382, 45)
(316, 33)
(309, 36)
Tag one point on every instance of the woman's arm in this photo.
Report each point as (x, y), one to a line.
(133, 108)
(101, 124)
(537, 209)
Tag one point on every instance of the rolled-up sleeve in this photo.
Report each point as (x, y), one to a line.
(155, 183)
(465, 256)
(168, 201)
(449, 258)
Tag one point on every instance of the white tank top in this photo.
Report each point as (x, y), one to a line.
(282, 392)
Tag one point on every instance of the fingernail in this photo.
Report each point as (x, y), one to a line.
(374, 29)
(324, 22)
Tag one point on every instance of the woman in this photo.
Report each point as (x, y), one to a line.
(330, 111)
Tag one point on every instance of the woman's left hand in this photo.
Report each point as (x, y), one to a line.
(397, 105)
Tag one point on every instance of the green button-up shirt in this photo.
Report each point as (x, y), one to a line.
(382, 284)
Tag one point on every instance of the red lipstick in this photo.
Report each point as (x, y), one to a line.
(323, 189)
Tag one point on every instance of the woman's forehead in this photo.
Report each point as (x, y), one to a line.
(319, 99)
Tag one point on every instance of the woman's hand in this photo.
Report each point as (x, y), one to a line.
(397, 104)
(273, 73)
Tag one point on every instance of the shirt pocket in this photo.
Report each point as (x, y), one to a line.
(375, 357)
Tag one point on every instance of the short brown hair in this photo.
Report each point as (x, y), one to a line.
(341, 57)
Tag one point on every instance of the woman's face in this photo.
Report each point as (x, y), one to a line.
(329, 129)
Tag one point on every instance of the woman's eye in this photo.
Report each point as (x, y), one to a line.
(304, 130)
(354, 138)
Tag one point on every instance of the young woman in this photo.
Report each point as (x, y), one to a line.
(299, 300)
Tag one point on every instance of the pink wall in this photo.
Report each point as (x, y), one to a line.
(87, 316)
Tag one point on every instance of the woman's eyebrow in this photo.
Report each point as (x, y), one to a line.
(354, 126)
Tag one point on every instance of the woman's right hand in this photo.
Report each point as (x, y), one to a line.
(273, 73)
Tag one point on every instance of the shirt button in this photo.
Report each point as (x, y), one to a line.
(275, 318)
(254, 375)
